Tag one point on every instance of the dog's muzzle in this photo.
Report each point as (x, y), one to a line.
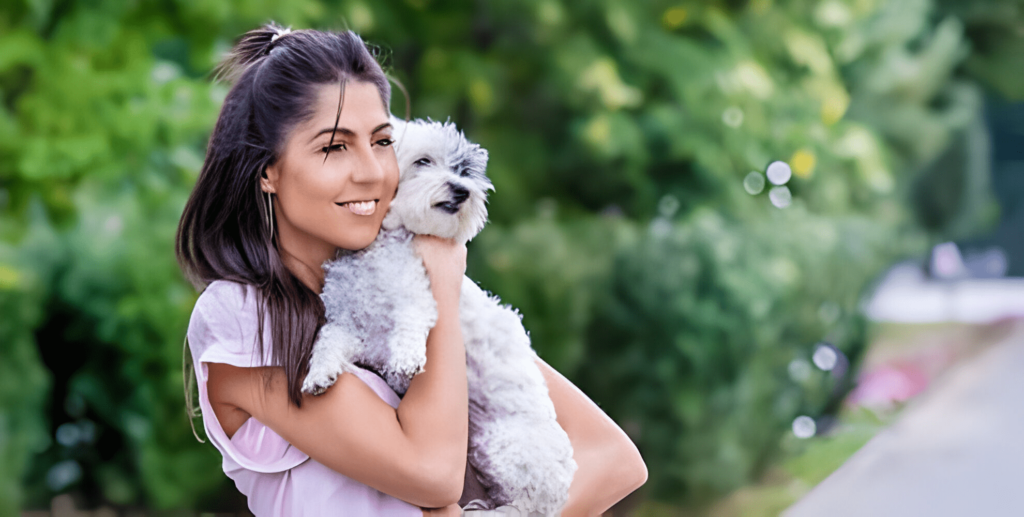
(459, 195)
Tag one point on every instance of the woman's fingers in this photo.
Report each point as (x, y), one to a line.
(445, 261)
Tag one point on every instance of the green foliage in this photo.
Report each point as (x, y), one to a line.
(698, 341)
(23, 380)
(102, 141)
(997, 42)
(620, 134)
(682, 319)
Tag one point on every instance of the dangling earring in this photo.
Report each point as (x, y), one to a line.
(270, 216)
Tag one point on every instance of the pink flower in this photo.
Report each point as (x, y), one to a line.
(886, 384)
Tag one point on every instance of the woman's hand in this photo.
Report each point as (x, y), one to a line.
(445, 261)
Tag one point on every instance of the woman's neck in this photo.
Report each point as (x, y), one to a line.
(309, 273)
(304, 257)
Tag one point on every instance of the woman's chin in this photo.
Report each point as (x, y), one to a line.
(357, 242)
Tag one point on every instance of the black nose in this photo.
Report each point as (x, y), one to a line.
(459, 194)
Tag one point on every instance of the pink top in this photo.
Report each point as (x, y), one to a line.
(277, 478)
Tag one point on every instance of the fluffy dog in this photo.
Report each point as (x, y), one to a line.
(379, 310)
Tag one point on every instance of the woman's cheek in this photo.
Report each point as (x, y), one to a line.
(313, 208)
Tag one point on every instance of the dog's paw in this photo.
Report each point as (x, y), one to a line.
(318, 380)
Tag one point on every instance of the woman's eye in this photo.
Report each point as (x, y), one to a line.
(422, 161)
(385, 141)
(335, 147)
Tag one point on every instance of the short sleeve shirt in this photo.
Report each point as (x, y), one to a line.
(276, 477)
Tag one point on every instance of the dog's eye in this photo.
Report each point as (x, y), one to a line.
(464, 173)
(422, 161)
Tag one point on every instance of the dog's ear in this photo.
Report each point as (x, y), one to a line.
(476, 159)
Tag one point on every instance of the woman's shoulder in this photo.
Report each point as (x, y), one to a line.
(226, 300)
(226, 294)
(225, 315)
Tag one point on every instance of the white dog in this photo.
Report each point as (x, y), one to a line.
(379, 310)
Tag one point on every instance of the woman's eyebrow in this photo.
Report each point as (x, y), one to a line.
(342, 130)
(348, 132)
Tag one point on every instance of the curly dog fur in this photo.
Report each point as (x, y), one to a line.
(379, 310)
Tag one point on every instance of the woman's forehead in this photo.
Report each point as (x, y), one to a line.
(362, 110)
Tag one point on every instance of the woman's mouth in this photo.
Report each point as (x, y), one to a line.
(361, 207)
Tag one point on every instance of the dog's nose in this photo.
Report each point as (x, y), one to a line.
(459, 193)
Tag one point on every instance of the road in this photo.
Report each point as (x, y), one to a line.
(958, 450)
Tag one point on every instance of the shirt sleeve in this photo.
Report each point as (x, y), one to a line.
(223, 329)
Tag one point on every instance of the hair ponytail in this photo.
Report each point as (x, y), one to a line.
(253, 46)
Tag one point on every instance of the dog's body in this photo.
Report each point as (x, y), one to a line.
(379, 310)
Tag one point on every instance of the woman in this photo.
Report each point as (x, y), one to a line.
(299, 165)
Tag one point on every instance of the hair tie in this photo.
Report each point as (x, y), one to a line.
(280, 33)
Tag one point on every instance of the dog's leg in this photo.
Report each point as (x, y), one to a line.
(331, 356)
(407, 305)
(407, 342)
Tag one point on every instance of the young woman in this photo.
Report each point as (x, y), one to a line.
(299, 165)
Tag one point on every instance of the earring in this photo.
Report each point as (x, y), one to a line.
(270, 216)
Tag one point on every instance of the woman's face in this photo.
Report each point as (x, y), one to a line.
(338, 203)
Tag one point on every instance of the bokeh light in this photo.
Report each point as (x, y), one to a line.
(779, 172)
(780, 196)
(732, 117)
(63, 474)
(825, 357)
(804, 427)
(753, 183)
(667, 205)
(799, 370)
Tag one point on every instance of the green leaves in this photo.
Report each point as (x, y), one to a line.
(620, 135)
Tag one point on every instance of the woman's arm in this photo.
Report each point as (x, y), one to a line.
(609, 465)
(348, 428)
(417, 452)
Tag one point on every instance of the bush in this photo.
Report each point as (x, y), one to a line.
(620, 136)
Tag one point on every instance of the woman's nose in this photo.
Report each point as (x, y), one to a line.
(368, 168)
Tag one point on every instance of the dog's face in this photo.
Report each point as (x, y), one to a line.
(442, 187)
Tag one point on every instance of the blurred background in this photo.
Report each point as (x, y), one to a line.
(752, 231)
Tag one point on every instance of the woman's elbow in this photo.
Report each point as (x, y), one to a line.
(639, 470)
(624, 459)
(443, 482)
(451, 491)
(634, 469)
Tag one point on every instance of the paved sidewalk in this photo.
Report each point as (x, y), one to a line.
(905, 295)
(956, 451)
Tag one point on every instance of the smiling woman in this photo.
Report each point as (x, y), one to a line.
(303, 146)
(301, 165)
(340, 180)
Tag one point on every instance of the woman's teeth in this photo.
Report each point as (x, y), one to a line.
(362, 207)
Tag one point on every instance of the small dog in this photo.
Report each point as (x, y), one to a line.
(379, 310)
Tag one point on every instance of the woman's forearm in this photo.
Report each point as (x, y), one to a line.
(434, 410)
(605, 476)
(609, 466)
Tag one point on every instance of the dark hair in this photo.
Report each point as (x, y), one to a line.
(223, 233)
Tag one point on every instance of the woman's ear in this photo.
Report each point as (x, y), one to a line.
(268, 178)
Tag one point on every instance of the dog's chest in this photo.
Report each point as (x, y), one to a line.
(381, 298)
